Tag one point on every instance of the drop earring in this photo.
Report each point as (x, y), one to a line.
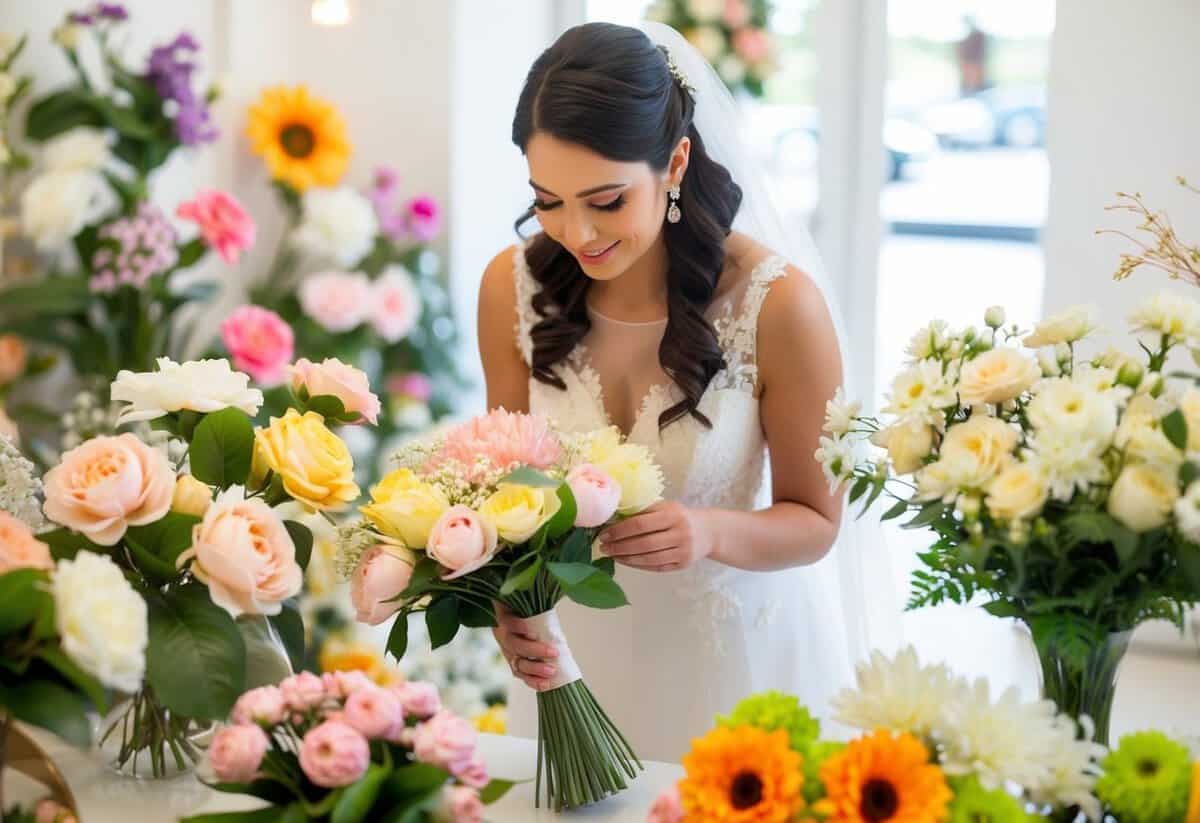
(674, 215)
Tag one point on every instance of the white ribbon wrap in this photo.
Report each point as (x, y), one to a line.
(545, 628)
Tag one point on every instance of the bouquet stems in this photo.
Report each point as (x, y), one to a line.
(150, 735)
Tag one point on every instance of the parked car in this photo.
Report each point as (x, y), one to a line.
(1013, 116)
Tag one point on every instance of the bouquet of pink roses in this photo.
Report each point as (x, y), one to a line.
(504, 509)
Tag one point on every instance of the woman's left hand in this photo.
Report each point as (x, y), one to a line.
(666, 537)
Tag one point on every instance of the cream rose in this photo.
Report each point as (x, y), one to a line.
(1017, 493)
(108, 484)
(517, 511)
(908, 443)
(405, 507)
(191, 496)
(1141, 436)
(1065, 327)
(243, 552)
(313, 462)
(197, 385)
(972, 454)
(996, 376)
(1142, 497)
(462, 541)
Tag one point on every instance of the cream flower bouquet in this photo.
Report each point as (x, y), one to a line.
(1061, 489)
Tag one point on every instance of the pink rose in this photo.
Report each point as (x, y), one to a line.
(376, 712)
(243, 552)
(446, 741)
(382, 573)
(752, 44)
(737, 13)
(19, 549)
(462, 541)
(459, 804)
(424, 218)
(395, 304)
(411, 384)
(12, 358)
(334, 754)
(473, 773)
(342, 684)
(224, 224)
(597, 495)
(237, 752)
(260, 342)
(668, 808)
(336, 300)
(108, 484)
(303, 691)
(264, 705)
(420, 700)
(335, 378)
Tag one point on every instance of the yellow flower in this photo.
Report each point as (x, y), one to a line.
(632, 466)
(518, 511)
(313, 462)
(742, 775)
(404, 507)
(339, 655)
(1017, 493)
(995, 376)
(301, 138)
(908, 443)
(1142, 497)
(191, 496)
(885, 777)
(492, 721)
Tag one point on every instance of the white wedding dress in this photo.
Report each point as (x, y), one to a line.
(691, 644)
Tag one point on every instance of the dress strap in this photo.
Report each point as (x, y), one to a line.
(526, 288)
(739, 333)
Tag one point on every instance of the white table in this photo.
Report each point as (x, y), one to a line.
(105, 797)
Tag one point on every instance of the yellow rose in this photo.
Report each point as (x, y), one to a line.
(191, 496)
(632, 466)
(908, 443)
(1142, 497)
(405, 507)
(1017, 493)
(995, 376)
(518, 511)
(313, 462)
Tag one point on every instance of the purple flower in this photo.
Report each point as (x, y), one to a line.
(419, 218)
(80, 18)
(134, 250)
(170, 71)
(112, 11)
(423, 218)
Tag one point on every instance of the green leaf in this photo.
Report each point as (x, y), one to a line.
(859, 488)
(326, 405)
(415, 780)
(521, 576)
(358, 798)
(474, 616)
(23, 597)
(221, 448)
(929, 513)
(1002, 608)
(526, 476)
(895, 511)
(425, 573)
(1188, 555)
(397, 642)
(190, 253)
(122, 119)
(77, 677)
(1187, 473)
(578, 547)
(52, 707)
(599, 591)
(302, 538)
(442, 620)
(495, 790)
(159, 544)
(290, 626)
(564, 519)
(51, 296)
(607, 565)
(571, 574)
(271, 814)
(876, 490)
(57, 113)
(1175, 427)
(196, 659)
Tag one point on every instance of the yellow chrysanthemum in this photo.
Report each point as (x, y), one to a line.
(492, 721)
(742, 775)
(301, 138)
(885, 777)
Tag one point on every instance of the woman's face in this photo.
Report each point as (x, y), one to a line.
(605, 212)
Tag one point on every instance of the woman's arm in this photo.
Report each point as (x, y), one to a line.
(504, 370)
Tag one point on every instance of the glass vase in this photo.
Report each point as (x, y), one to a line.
(1083, 688)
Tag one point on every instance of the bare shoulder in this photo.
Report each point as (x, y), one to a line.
(498, 286)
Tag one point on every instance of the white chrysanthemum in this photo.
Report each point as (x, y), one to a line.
(1102, 380)
(1069, 408)
(1141, 436)
(1068, 462)
(101, 619)
(197, 385)
(920, 393)
(20, 486)
(836, 456)
(338, 225)
(80, 149)
(58, 204)
(1168, 314)
(1068, 326)
(840, 413)
(928, 341)
(1073, 764)
(898, 694)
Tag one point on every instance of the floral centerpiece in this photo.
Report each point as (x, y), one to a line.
(1061, 488)
(504, 510)
(732, 35)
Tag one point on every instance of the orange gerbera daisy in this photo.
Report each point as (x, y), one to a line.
(742, 775)
(884, 777)
(1193, 813)
(302, 138)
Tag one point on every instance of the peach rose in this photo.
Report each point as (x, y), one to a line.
(462, 541)
(333, 377)
(19, 549)
(108, 484)
(12, 358)
(383, 572)
(597, 495)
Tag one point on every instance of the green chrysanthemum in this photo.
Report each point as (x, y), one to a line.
(1146, 779)
(770, 711)
(814, 757)
(974, 804)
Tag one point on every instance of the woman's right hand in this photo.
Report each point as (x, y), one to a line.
(530, 659)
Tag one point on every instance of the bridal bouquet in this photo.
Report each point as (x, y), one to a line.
(339, 747)
(504, 509)
(1062, 488)
(934, 747)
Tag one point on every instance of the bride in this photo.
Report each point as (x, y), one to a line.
(657, 300)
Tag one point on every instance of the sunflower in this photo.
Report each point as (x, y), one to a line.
(885, 777)
(1146, 779)
(743, 775)
(974, 804)
(302, 138)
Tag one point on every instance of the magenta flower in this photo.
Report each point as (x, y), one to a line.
(260, 342)
(224, 224)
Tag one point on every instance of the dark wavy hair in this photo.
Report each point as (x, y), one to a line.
(609, 88)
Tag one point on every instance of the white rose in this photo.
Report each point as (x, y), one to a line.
(1142, 497)
(1048, 363)
(101, 619)
(978, 449)
(921, 393)
(58, 204)
(1064, 406)
(80, 149)
(1017, 493)
(338, 225)
(994, 317)
(995, 376)
(928, 341)
(908, 443)
(1170, 314)
(1187, 513)
(706, 11)
(840, 413)
(1066, 327)
(1141, 436)
(708, 40)
(197, 385)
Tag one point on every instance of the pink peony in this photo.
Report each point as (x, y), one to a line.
(334, 754)
(508, 440)
(303, 691)
(342, 684)
(395, 304)
(337, 301)
(413, 385)
(597, 495)
(459, 804)
(462, 541)
(376, 712)
(335, 378)
(224, 224)
(13, 357)
(752, 44)
(19, 549)
(264, 705)
(260, 342)
(237, 752)
(668, 808)
(382, 573)
(473, 773)
(420, 699)
(446, 741)
(424, 218)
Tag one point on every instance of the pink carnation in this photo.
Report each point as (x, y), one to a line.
(508, 440)
(224, 224)
(260, 342)
(334, 754)
(337, 301)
